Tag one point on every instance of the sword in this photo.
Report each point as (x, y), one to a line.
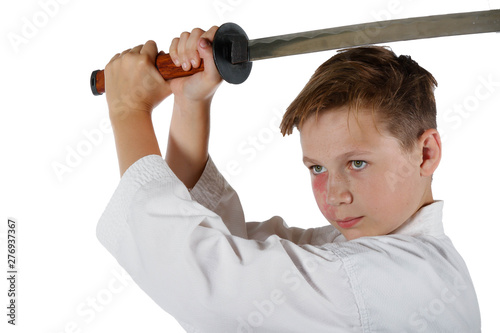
(234, 53)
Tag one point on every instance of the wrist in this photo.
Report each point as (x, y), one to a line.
(186, 105)
(121, 113)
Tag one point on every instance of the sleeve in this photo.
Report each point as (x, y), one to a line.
(214, 193)
(185, 258)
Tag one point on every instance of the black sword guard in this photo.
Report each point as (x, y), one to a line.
(231, 56)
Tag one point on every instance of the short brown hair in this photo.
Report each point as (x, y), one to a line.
(397, 89)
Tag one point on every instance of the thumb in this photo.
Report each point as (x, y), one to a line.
(206, 53)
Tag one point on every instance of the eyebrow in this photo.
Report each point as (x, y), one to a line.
(343, 156)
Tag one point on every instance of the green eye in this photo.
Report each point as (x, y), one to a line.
(358, 165)
(317, 169)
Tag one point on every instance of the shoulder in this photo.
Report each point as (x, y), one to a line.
(416, 281)
(412, 258)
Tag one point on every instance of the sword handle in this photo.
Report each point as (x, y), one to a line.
(164, 64)
(231, 57)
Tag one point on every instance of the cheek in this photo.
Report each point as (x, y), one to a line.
(319, 185)
(401, 180)
(389, 195)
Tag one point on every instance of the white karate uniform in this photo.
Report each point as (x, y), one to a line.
(195, 256)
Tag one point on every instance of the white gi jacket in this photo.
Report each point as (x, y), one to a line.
(195, 256)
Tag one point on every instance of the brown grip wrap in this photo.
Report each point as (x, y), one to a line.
(164, 64)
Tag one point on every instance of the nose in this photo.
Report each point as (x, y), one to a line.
(338, 192)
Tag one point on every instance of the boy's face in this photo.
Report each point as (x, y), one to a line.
(364, 184)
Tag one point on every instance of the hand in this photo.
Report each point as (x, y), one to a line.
(132, 81)
(187, 51)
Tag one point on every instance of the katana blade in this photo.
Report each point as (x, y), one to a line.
(234, 53)
(374, 33)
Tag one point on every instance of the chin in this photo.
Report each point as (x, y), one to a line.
(356, 233)
(353, 234)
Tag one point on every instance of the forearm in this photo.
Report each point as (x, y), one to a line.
(187, 151)
(134, 137)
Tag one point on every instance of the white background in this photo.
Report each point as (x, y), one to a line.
(68, 282)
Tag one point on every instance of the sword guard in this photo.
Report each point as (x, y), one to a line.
(230, 50)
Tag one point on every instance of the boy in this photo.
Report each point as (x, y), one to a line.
(368, 135)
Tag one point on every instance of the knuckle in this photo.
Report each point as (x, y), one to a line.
(128, 55)
(213, 30)
(142, 60)
(108, 67)
(114, 58)
(197, 31)
(173, 45)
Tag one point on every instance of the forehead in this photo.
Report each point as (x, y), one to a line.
(339, 131)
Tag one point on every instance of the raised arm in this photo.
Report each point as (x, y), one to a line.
(134, 87)
(187, 151)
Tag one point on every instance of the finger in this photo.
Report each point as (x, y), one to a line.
(210, 33)
(137, 49)
(125, 52)
(205, 51)
(115, 57)
(173, 52)
(150, 49)
(181, 49)
(192, 47)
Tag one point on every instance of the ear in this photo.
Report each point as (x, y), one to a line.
(430, 145)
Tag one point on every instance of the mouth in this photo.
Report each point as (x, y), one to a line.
(348, 222)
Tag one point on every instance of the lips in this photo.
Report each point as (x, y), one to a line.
(348, 222)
